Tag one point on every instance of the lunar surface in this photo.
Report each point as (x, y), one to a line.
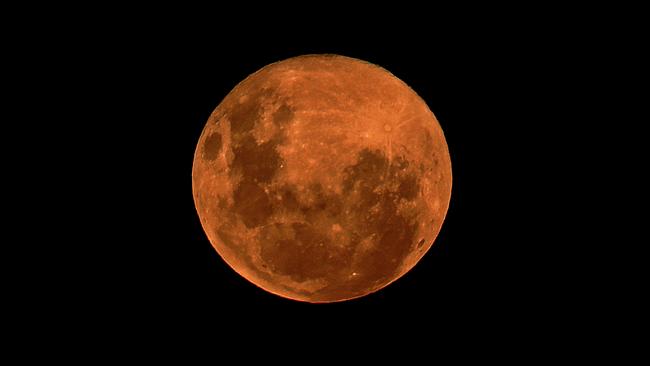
(322, 178)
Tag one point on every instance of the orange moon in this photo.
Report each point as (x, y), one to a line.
(322, 178)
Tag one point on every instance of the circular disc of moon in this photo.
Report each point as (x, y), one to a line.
(322, 178)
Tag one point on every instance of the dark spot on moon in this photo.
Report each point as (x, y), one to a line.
(283, 115)
(288, 197)
(369, 168)
(364, 180)
(300, 251)
(285, 256)
(244, 115)
(321, 203)
(371, 176)
(395, 240)
(212, 146)
(334, 206)
(421, 243)
(256, 162)
(436, 161)
(408, 187)
(252, 204)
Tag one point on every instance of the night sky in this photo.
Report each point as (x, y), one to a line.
(143, 258)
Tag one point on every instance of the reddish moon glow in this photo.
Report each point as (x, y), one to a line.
(322, 178)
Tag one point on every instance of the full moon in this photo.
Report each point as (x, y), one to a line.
(322, 178)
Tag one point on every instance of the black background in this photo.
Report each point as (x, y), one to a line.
(481, 262)
(145, 96)
(117, 99)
